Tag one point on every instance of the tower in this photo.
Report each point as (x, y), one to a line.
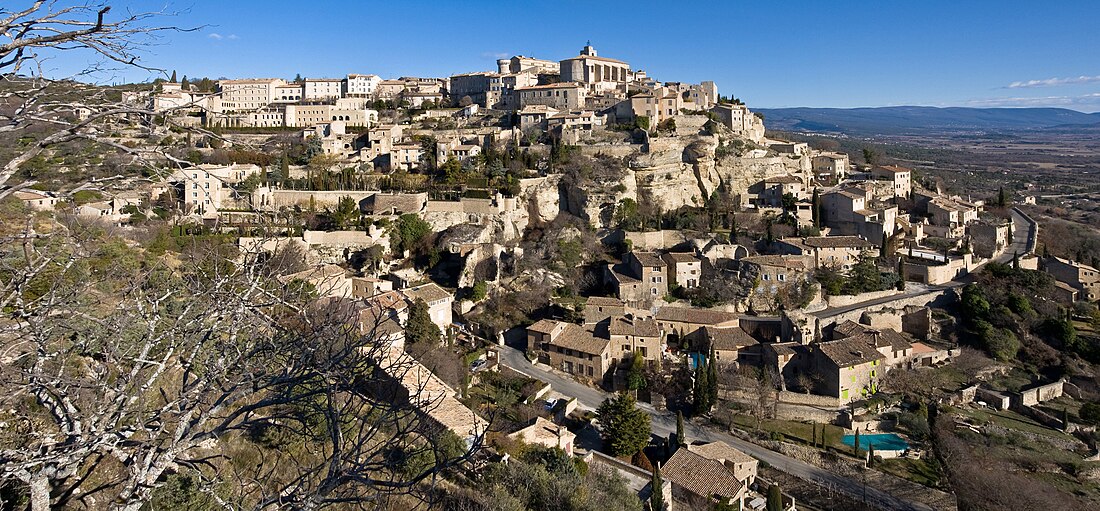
(588, 49)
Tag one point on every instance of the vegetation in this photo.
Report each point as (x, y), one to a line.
(624, 428)
(419, 328)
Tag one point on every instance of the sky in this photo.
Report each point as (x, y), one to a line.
(769, 54)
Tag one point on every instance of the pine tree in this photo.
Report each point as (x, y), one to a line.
(656, 496)
(681, 438)
(625, 428)
(298, 78)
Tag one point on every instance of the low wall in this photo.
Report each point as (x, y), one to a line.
(344, 238)
(1036, 395)
(655, 240)
(269, 200)
(617, 150)
(846, 300)
(938, 297)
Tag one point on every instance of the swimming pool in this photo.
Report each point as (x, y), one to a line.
(881, 441)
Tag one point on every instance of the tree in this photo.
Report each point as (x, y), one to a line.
(870, 156)
(298, 78)
(815, 205)
(775, 498)
(712, 380)
(870, 455)
(420, 328)
(479, 291)
(681, 437)
(173, 78)
(1002, 199)
(903, 274)
(656, 495)
(635, 377)
(407, 232)
(184, 84)
(1090, 413)
(855, 444)
(346, 213)
(625, 429)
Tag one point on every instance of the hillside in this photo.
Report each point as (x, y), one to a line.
(903, 120)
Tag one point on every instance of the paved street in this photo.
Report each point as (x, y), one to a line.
(665, 423)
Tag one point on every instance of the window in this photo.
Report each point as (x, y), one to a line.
(765, 276)
(844, 394)
(782, 277)
(853, 378)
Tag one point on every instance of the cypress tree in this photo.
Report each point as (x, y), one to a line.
(775, 498)
(902, 274)
(871, 455)
(712, 381)
(855, 445)
(681, 438)
(656, 497)
(815, 205)
(173, 79)
(1015, 260)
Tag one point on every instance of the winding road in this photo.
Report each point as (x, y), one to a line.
(664, 423)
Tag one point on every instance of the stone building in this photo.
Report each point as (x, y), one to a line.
(684, 269)
(562, 96)
(632, 334)
(1084, 278)
(597, 73)
(570, 348)
(901, 178)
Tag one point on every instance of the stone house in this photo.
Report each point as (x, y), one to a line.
(684, 269)
(1084, 278)
(547, 434)
(534, 117)
(849, 368)
(562, 96)
(631, 334)
(678, 323)
(702, 481)
(775, 271)
(439, 302)
(597, 73)
(729, 344)
(777, 186)
(840, 252)
(36, 200)
(599, 308)
(901, 178)
(639, 279)
(830, 167)
(570, 348)
(989, 239)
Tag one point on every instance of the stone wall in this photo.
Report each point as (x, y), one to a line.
(846, 300)
(655, 240)
(1036, 395)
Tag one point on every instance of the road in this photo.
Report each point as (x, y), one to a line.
(664, 423)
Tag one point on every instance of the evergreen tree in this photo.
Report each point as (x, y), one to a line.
(882, 248)
(656, 496)
(870, 455)
(184, 84)
(681, 438)
(855, 445)
(419, 327)
(903, 274)
(173, 79)
(298, 78)
(815, 208)
(1015, 260)
(712, 381)
(1002, 199)
(699, 391)
(625, 428)
(775, 498)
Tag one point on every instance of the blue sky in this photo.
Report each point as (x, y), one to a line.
(769, 54)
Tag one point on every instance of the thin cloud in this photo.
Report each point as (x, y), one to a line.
(232, 37)
(1053, 82)
(1038, 101)
(495, 55)
(215, 36)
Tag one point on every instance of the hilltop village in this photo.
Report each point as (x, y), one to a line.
(567, 243)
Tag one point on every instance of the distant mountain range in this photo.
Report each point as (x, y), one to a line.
(923, 120)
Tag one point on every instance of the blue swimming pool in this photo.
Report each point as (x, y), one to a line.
(881, 441)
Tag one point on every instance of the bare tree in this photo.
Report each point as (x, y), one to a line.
(118, 371)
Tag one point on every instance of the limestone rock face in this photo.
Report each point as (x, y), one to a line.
(542, 198)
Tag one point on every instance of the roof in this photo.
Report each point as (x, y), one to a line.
(544, 432)
(850, 351)
(837, 242)
(604, 301)
(561, 85)
(647, 258)
(389, 300)
(595, 57)
(641, 327)
(778, 261)
(720, 451)
(877, 337)
(576, 337)
(431, 395)
(892, 168)
(701, 476)
(429, 292)
(695, 316)
(728, 339)
(783, 180)
(543, 326)
(537, 109)
(681, 257)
